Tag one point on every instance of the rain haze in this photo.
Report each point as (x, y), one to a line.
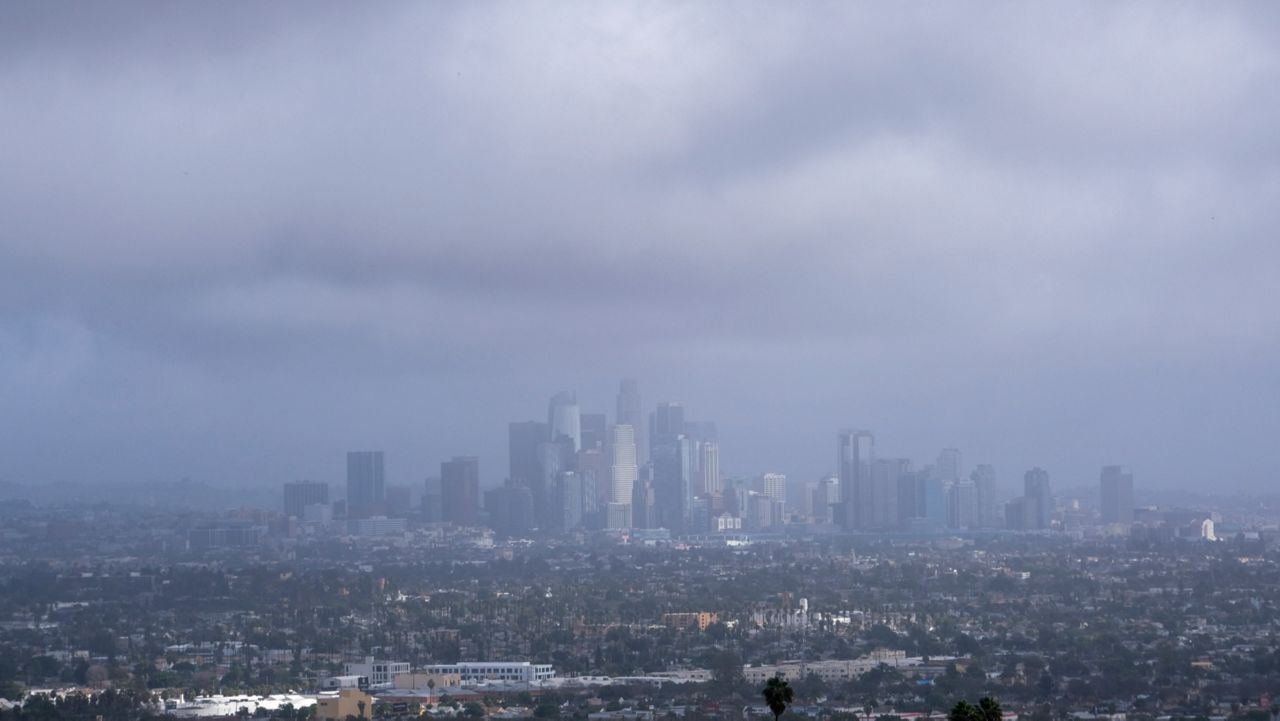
(239, 240)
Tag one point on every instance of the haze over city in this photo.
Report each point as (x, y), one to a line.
(238, 241)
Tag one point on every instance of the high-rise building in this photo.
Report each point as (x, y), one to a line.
(597, 490)
(568, 506)
(565, 419)
(774, 485)
(595, 431)
(949, 468)
(984, 486)
(510, 509)
(1117, 495)
(931, 500)
(522, 450)
(666, 423)
(1015, 514)
(432, 500)
(366, 483)
(710, 466)
(886, 477)
(631, 413)
(962, 500)
(623, 471)
(300, 494)
(672, 463)
(1038, 505)
(554, 458)
(826, 498)
(855, 452)
(460, 490)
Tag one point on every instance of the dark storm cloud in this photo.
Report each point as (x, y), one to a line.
(1042, 232)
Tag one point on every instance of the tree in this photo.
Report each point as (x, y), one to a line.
(726, 670)
(988, 709)
(778, 695)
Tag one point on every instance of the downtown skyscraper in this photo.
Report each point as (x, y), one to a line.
(623, 473)
(631, 413)
(855, 453)
(366, 483)
(564, 419)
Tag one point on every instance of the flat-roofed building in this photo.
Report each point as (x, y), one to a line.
(476, 671)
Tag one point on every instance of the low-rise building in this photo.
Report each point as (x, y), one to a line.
(347, 702)
(513, 671)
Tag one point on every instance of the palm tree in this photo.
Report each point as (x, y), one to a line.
(778, 695)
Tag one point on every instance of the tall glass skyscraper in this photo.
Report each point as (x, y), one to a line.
(565, 419)
(366, 483)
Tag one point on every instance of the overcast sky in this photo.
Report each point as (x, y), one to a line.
(239, 239)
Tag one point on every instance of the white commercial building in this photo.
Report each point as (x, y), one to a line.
(379, 673)
(513, 671)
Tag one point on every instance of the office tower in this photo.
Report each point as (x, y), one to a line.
(597, 490)
(1015, 514)
(595, 431)
(1039, 500)
(460, 490)
(909, 502)
(763, 511)
(962, 498)
(432, 500)
(510, 510)
(700, 515)
(931, 495)
(554, 458)
(1117, 495)
(564, 419)
(300, 494)
(644, 503)
(774, 485)
(568, 502)
(623, 471)
(854, 455)
(366, 482)
(984, 486)
(826, 497)
(631, 413)
(710, 466)
(886, 475)
(522, 450)
(671, 460)
(949, 468)
(667, 422)
(618, 516)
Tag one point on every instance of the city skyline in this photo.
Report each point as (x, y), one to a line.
(1039, 234)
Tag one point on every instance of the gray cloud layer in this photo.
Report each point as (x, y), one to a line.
(237, 240)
